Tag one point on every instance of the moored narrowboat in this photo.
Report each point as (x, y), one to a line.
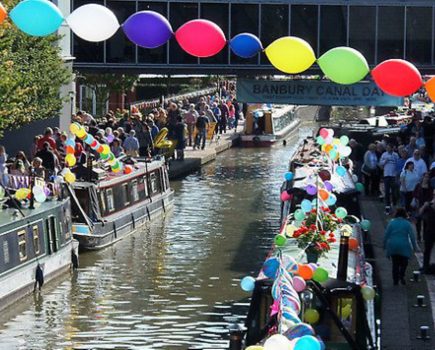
(108, 206)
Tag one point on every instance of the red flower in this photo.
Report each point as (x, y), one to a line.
(313, 227)
(331, 235)
(323, 232)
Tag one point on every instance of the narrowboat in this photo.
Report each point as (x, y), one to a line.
(108, 206)
(265, 125)
(36, 244)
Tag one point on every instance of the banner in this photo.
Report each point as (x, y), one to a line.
(313, 92)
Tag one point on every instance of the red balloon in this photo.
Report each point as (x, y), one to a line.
(397, 77)
(200, 38)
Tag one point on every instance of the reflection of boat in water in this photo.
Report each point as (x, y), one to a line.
(345, 315)
(264, 125)
(108, 206)
(36, 245)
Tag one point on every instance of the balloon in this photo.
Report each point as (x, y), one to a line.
(70, 177)
(311, 189)
(128, 169)
(290, 229)
(397, 77)
(93, 22)
(81, 133)
(37, 17)
(320, 275)
(359, 187)
(200, 38)
(280, 240)
(37, 190)
(323, 132)
(285, 196)
(307, 342)
(3, 14)
(277, 342)
(353, 243)
(247, 283)
(245, 45)
(22, 193)
(74, 128)
(320, 140)
(305, 271)
(288, 176)
(40, 197)
(332, 199)
(69, 150)
(299, 214)
(341, 212)
(343, 65)
(340, 170)
(335, 141)
(346, 151)
(299, 284)
(110, 138)
(270, 267)
(47, 191)
(306, 205)
(323, 194)
(106, 149)
(255, 347)
(290, 54)
(89, 139)
(147, 29)
(100, 149)
(429, 86)
(299, 330)
(325, 175)
(368, 293)
(311, 316)
(333, 154)
(70, 159)
(329, 187)
(365, 225)
(344, 140)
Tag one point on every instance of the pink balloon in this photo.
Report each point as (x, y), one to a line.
(323, 132)
(285, 196)
(200, 38)
(313, 266)
(299, 284)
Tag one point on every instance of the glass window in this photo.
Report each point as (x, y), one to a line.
(36, 239)
(6, 257)
(83, 50)
(390, 32)
(118, 47)
(142, 186)
(244, 19)
(362, 33)
(157, 55)
(110, 202)
(154, 182)
(134, 191)
(102, 202)
(217, 13)
(274, 25)
(181, 13)
(22, 244)
(333, 27)
(419, 34)
(125, 194)
(304, 22)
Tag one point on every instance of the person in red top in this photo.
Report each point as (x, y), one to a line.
(48, 137)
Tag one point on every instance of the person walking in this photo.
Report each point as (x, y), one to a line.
(388, 162)
(190, 118)
(408, 180)
(202, 126)
(180, 137)
(370, 171)
(131, 144)
(427, 213)
(419, 164)
(422, 194)
(399, 243)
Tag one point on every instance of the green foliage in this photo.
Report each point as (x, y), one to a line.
(31, 74)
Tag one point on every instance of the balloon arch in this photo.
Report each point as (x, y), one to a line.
(203, 38)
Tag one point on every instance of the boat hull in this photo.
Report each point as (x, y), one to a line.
(114, 229)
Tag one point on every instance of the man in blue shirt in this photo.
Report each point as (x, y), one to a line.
(388, 162)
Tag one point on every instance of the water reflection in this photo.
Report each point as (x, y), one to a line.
(175, 285)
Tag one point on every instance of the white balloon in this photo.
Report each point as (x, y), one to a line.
(277, 342)
(93, 22)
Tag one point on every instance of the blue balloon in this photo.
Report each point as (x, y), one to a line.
(332, 199)
(247, 283)
(307, 342)
(341, 171)
(306, 205)
(288, 176)
(37, 17)
(270, 267)
(245, 45)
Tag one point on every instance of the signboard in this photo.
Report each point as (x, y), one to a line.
(313, 92)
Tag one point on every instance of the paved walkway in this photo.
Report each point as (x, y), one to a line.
(400, 320)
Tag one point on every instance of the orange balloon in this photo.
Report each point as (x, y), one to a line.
(69, 149)
(128, 169)
(100, 149)
(328, 147)
(323, 194)
(353, 243)
(430, 88)
(305, 271)
(3, 13)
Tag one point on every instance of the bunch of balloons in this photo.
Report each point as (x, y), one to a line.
(335, 148)
(22, 193)
(160, 140)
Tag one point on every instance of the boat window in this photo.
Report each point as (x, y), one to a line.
(22, 244)
(281, 121)
(143, 184)
(153, 183)
(35, 231)
(110, 202)
(6, 252)
(125, 194)
(134, 191)
(102, 202)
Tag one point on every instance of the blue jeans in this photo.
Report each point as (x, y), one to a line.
(201, 136)
(390, 190)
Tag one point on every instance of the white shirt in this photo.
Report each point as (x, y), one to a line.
(409, 179)
(388, 162)
(419, 166)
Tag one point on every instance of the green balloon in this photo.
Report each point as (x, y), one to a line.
(320, 140)
(280, 240)
(299, 215)
(368, 293)
(341, 212)
(320, 275)
(359, 187)
(344, 65)
(344, 140)
(365, 225)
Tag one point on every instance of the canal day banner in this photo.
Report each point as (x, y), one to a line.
(313, 92)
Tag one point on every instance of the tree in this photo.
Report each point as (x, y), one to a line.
(102, 84)
(31, 74)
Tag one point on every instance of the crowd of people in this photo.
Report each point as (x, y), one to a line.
(401, 172)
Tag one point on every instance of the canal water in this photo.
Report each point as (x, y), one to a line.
(175, 284)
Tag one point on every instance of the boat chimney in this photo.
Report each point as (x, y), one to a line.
(343, 256)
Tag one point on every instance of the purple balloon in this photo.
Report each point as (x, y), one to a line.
(311, 189)
(328, 186)
(147, 29)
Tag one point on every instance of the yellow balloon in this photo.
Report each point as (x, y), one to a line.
(106, 149)
(22, 193)
(70, 159)
(290, 229)
(290, 54)
(255, 347)
(336, 141)
(81, 133)
(311, 316)
(70, 178)
(75, 127)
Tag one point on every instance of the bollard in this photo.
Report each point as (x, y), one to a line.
(416, 276)
(420, 301)
(424, 333)
(236, 337)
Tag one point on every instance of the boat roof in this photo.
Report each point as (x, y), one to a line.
(11, 217)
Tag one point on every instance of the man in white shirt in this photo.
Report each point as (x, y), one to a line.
(419, 164)
(388, 162)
